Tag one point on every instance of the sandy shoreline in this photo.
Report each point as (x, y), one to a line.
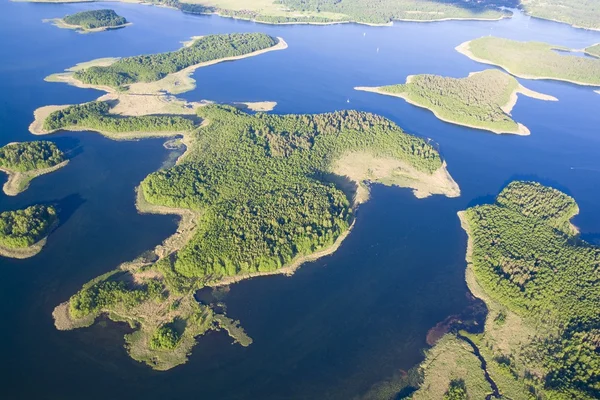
(522, 130)
(464, 49)
(19, 181)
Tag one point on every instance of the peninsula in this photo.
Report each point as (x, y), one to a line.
(483, 100)
(24, 161)
(578, 13)
(540, 284)
(594, 50)
(533, 60)
(23, 233)
(91, 21)
(258, 195)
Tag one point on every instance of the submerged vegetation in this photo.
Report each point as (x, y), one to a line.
(23, 228)
(540, 283)
(534, 60)
(96, 116)
(262, 195)
(30, 156)
(95, 19)
(153, 67)
(482, 100)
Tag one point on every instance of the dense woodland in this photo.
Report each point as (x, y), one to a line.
(526, 257)
(476, 100)
(95, 19)
(258, 184)
(30, 156)
(22, 228)
(95, 115)
(537, 60)
(149, 68)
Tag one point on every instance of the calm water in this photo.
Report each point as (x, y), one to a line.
(340, 324)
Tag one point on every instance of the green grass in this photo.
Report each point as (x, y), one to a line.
(594, 50)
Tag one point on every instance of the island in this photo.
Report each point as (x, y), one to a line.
(24, 161)
(91, 21)
(578, 13)
(483, 100)
(23, 233)
(539, 281)
(533, 60)
(258, 194)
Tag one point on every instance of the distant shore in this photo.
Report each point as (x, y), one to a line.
(464, 48)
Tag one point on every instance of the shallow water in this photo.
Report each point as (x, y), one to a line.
(340, 324)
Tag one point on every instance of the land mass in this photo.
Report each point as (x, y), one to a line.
(578, 13)
(24, 161)
(593, 50)
(23, 233)
(533, 60)
(91, 21)
(483, 100)
(539, 283)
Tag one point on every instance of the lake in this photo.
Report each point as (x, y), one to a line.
(340, 324)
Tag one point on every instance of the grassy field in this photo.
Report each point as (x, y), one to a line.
(594, 50)
(534, 60)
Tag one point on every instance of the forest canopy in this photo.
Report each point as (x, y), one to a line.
(95, 19)
(153, 67)
(527, 258)
(23, 228)
(30, 156)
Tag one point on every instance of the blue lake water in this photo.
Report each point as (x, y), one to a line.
(341, 324)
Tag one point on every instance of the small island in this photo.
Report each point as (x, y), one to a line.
(23, 233)
(91, 21)
(258, 194)
(539, 281)
(533, 60)
(24, 161)
(483, 100)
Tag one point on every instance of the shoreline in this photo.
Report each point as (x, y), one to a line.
(18, 182)
(464, 49)
(60, 23)
(521, 130)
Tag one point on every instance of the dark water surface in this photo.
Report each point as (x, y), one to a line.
(340, 324)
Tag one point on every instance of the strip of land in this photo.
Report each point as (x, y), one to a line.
(19, 181)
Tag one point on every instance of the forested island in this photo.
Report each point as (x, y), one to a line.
(24, 161)
(540, 284)
(23, 232)
(483, 100)
(258, 194)
(91, 21)
(533, 60)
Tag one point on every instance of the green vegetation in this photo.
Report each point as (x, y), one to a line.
(150, 68)
(456, 390)
(482, 100)
(262, 194)
(385, 11)
(23, 228)
(30, 156)
(534, 60)
(579, 13)
(540, 284)
(95, 19)
(594, 50)
(95, 115)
